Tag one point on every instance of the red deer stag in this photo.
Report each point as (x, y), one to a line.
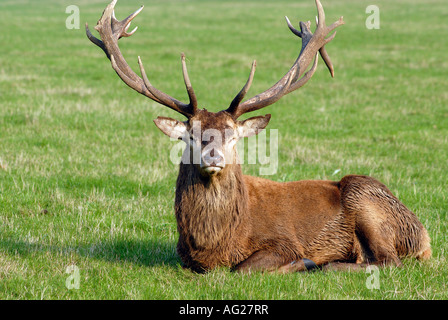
(225, 218)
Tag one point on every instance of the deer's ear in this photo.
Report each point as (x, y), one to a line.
(253, 126)
(171, 127)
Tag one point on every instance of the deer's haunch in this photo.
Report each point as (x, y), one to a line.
(225, 218)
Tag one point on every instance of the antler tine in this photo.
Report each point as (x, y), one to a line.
(126, 23)
(111, 30)
(294, 30)
(95, 40)
(311, 45)
(240, 96)
(320, 16)
(266, 98)
(190, 91)
(163, 97)
(299, 83)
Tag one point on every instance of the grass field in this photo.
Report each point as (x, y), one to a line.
(85, 176)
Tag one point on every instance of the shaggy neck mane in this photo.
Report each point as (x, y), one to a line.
(208, 210)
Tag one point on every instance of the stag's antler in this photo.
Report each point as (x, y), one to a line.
(311, 45)
(110, 30)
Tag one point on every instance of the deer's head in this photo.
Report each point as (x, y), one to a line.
(212, 136)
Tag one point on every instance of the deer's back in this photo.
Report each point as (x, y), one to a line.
(289, 215)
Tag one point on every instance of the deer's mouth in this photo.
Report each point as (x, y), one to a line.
(211, 170)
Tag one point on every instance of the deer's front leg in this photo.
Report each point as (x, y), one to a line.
(270, 262)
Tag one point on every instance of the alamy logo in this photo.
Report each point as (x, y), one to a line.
(72, 21)
(73, 281)
(373, 20)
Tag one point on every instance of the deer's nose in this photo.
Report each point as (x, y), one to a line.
(213, 161)
(217, 160)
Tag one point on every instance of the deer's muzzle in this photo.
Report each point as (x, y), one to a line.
(212, 162)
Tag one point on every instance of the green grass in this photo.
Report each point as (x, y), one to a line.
(85, 176)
